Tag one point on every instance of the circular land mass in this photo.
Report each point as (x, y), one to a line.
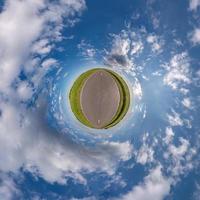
(99, 98)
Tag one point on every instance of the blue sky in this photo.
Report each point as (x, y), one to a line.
(45, 153)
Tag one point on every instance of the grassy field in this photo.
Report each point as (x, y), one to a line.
(74, 97)
(124, 99)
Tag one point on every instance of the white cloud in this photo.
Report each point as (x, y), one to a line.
(137, 90)
(178, 72)
(137, 47)
(156, 43)
(42, 69)
(118, 56)
(20, 26)
(87, 50)
(49, 62)
(184, 91)
(25, 137)
(181, 149)
(145, 154)
(121, 46)
(155, 186)
(198, 73)
(187, 103)
(8, 189)
(155, 21)
(42, 47)
(179, 156)
(169, 135)
(174, 119)
(31, 65)
(196, 194)
(194, 4)
(24, 90)
(25, 29)
(128, 46)
(125, 47)
(35, 147)
(195, 36)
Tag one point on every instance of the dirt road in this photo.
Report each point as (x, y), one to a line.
(100, 98)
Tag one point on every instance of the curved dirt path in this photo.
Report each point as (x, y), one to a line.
(100, 98)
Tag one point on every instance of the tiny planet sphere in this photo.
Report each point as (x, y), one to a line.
(99, 98)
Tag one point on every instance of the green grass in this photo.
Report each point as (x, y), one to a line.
(124, 102)
(74, 97)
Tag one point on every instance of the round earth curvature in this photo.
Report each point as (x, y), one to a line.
(99, 98)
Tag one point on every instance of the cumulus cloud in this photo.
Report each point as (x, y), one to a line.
(131, 50)
(196, 194)
(86, 50)
(24, 90)
(42, 47)
(178, 72)
(25, 29)
(146, 152)
(187, 103)
(125, 47)
(137, 47)
(19, 26)
(29, 32)
(119, 52)
(155, 186)
(175, 119)
(178, 156)
(194, 4)
(8, 188)
(156, 43)
(181, 150)
(195, 36)
(137, 89)
(49, 63)
(31, 144)
(169, 135)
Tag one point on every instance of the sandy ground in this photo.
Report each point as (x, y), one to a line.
(100, 98)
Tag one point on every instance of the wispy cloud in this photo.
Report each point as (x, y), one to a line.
(194, 4)
(178, 71)
(155, 186)
(187, 103)
(180, 157)
(194, 36)
(8, 188)
(175, 119)
(87, 50)
(156, 43)
(30, 30)
(121, 47)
